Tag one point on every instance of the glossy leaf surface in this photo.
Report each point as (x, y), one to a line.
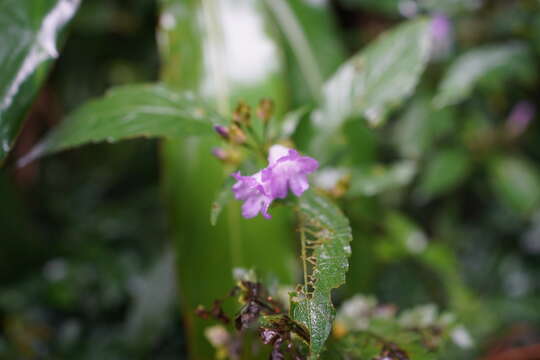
(30, 32)
(128, 112)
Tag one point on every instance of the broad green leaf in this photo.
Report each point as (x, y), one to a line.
(444, 172)
(131, 111)
(326, 236)
(29, 31)
(420, 126)
(379, 78)
(221, 50)
(378, 179)
(516, 183)
(464, 74)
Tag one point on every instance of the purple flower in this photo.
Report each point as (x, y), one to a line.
(441, 36)
(519, 118)
(251, 190)
(286, 169)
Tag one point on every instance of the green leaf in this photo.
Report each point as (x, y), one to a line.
(468, 69)
(224, 196)
(379, 178)
(444, 172)
(420, 127)
(516, 183)
(128, 112)
(326, 237)
(379, 78)
(29, 31)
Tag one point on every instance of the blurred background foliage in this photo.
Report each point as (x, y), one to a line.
(443, 197)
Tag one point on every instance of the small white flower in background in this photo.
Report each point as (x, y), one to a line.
(419, 317)
(461, 337)
(356, 312)
(217, 335)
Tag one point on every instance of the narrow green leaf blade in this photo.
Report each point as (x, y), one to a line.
(327, 235)
(128, 112)
(29, 31)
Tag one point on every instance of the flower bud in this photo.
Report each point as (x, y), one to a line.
(220, 153)
(242, 114)
(236, 135)
(222, 131)
(265, 110)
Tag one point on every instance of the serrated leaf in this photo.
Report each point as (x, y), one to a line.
(128, 112)
(464, 74)
(380, 77)
(326, 237)
(29, 31)
(516, 183)
(223, 197)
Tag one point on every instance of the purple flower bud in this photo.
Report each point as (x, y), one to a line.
(441, 36)
(222, 131)
(287, 169)
(219, 153)
(519, 118)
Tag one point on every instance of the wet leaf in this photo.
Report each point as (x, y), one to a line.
(326, 237)
(29, 31)
(128, 112)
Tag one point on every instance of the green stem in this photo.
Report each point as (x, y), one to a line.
(304, 253)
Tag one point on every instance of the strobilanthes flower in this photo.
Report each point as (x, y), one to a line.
(286, 169)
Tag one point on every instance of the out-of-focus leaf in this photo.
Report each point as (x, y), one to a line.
(464, 74)
(403, 237)
(378, 179)
(444, 172)
(390, 7)
(131, 111)
(29, 31)
(516, 183)
(326, 237)
(149, 312)
(219, 49)
(449, 7)
(313, 40)
(379, 78)
(420, 127)
(224, 196)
